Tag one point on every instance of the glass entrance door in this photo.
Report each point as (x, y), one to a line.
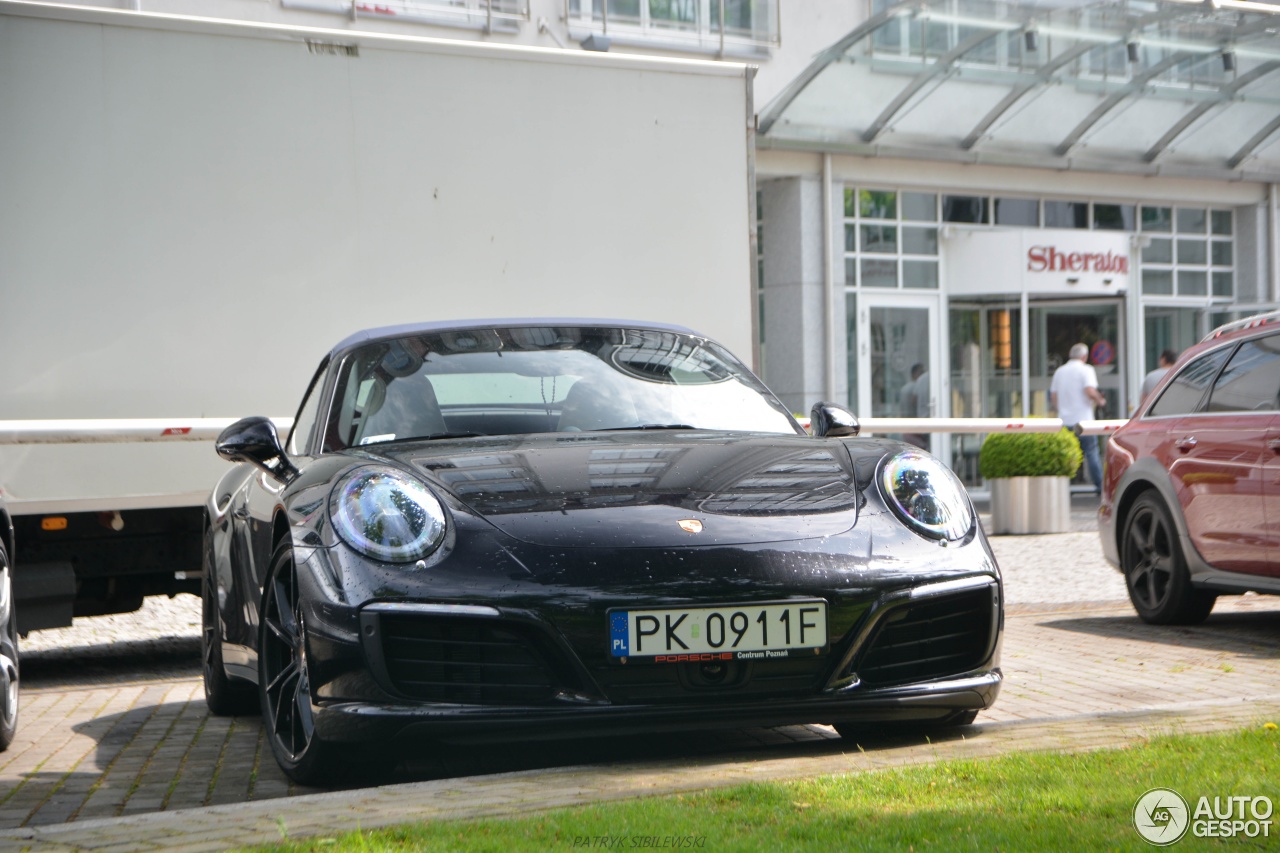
(898, 375)
(990, 378)
(1055, 327)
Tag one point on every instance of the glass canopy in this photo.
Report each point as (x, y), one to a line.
(1137, 86)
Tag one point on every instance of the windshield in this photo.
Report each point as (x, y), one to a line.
(507, 381)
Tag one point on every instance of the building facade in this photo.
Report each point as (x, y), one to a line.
(972, 186)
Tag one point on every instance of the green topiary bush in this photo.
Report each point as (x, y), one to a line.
(1030, 454)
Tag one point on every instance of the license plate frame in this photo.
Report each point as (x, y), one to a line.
(767, 630)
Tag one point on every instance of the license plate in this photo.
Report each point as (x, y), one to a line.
(725, 632)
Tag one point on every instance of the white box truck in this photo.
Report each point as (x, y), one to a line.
(193, 211)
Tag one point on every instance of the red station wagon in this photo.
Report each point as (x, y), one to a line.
(1191, 495)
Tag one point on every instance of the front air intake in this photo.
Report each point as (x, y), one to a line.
(465, 661)
(936, 638)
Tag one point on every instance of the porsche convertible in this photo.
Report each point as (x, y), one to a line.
(494, 531)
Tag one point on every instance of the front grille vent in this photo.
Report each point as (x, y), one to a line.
(930, 639)
(466, 661)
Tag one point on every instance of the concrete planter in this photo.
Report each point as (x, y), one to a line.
(1030, 505)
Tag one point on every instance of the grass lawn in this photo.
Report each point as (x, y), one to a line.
(1025, 801)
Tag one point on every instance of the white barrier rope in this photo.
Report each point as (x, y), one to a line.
(127, 431)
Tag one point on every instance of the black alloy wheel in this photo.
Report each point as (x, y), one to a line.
(284, 686)
(225, 696)
(8, 655)
(1154, 569)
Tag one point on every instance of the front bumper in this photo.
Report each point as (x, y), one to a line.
(513, 645)
(481, 673)
(356, 722)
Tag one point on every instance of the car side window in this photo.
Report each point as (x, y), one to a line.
(1184, 394)
(1251, 380)
(305, 420)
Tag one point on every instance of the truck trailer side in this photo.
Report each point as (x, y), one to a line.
(192, 211)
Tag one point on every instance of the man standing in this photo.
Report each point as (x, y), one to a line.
(909, 403)
(1073, 393)
(1167, 358)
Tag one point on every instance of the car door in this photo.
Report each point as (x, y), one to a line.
(1225, 465)
(253, 517)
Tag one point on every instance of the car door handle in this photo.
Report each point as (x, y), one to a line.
(1187, 444)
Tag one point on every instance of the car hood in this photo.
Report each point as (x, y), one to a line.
(645, 489)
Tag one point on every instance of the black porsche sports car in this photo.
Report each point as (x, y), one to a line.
(498, 530)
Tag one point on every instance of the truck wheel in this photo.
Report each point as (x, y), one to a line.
(1154, 569)
(283, 682)
(8, 655)
(225, 696)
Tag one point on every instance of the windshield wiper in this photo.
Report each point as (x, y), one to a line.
(651, 426)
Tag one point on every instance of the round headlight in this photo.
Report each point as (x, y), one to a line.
(927, 495)
(386, 515)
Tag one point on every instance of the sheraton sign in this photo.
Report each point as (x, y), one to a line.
(1039, 261)
(1051, 259)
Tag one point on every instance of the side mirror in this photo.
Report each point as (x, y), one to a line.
(255, 440)
(827, 420)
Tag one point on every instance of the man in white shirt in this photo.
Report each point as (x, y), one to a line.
(1073, 393)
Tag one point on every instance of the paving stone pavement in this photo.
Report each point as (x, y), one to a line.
(127, 758)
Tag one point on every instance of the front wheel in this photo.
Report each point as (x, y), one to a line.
(284, 686)
(1155, 571)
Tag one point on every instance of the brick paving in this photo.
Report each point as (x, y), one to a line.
(104, 762)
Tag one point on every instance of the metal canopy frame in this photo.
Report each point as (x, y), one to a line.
(1184, 40)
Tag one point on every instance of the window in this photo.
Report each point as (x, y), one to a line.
(1018, 211)
(739, 26)
(1251, 380)
(1188, 252)
(305, 421)
(1115, 217)
(964, 208)
(1066, 214)
(1157, 219)
(673, 12)
(512, 381)
(502, 15)
(890, 238)
(1183, 395)
(920, 207)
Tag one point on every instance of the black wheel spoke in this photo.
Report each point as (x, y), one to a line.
(1153, 593)
(284, 674)
(283, 636)
(208, 647)
(277, 685)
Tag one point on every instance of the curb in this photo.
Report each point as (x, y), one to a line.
(270, 821)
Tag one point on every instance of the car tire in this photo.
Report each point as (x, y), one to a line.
(1155, 571)
(284, 688)
(8, 655)
(225, 696)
